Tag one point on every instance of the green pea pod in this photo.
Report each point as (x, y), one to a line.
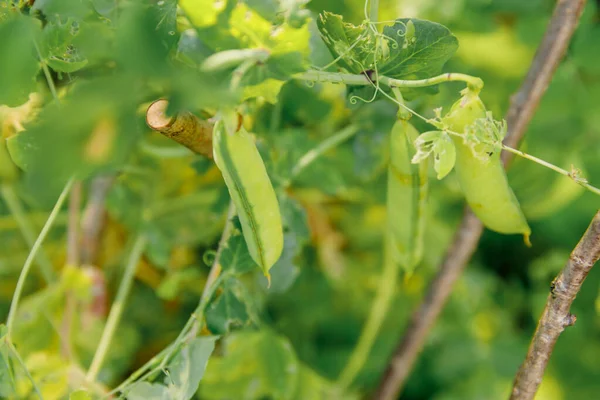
(484, 182)
(406, 197)
(8, 170)
(237, 157)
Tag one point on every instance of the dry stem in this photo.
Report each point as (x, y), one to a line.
(556, 316)
(184, 128)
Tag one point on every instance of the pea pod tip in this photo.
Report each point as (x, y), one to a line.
(526, 239)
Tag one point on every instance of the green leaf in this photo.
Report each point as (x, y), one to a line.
(57, 46)
(484, 136)
(224, 27)
(409, 49)
(255, 365)
(235, 257)
(295, 219)
(352, 44)
(312, 386)
(444, 156)
(80, 395)
(285, 271)
(191, 49)
(291, 11)
(18, 62)
(7, 377)
(441, 146)
(184, 373)
(148, 391)
(418, 52)
(227, 312)
(178, 282)
(95, 125)
(188, 367)
(56, 9)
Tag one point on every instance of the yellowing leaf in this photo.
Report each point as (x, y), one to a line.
(202, 13)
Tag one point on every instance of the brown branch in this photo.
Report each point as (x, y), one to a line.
(184, 128)
(94, 218)
(92, 224)
(556, 316)
(73, 225)
(549, 54)
(523, 105)
(72, 261)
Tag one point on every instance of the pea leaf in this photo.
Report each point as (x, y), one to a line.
(80, 395)
(419, 49)
(57, 46)
(227, 311)
(7, 378)
(283, 48)
(255, 365)
(235, 256)
(440, 145)
(18, 64)
(148, 391)
(352, 44)
(484, 136)
(291, 11)
(285, 271)
(188, 367)
(409, 49)
(56, 9)
(185, 373)
(87, 125)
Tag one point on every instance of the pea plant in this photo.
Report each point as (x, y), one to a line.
(188, 138)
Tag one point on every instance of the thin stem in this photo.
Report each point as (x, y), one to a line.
(73, 260)
(213, 281)
(362, 80)
(326, 145)
(16, 354)
(215, 269)
(374, 10)
(117, 307)
(160, 360)
(8, 222)
(73, 230)
(573, 175)
(94, 218)
(403, 113)
(32, 254)
(16, 209)
(47, 73)
(556, 316)
(577, 180)
(381, 303)
(189, 331)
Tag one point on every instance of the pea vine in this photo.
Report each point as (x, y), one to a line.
(202, 73)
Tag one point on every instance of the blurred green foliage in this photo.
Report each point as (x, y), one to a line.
(107, 59)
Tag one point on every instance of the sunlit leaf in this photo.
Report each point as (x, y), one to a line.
(18, 60)
(255, 365)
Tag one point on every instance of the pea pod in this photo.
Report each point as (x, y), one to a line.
(406, 197)
(251, 191)
(484, 182)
